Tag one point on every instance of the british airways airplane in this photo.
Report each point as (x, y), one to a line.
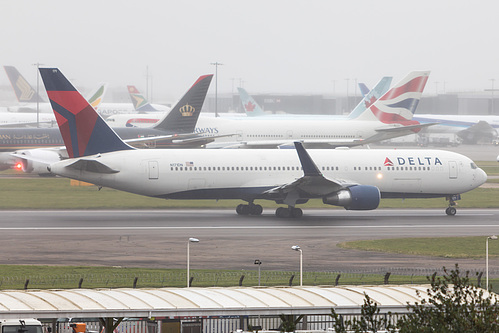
(354, 179)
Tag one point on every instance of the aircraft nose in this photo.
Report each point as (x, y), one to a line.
(481, 176)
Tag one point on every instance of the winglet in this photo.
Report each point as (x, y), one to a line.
(308, 165)
(84, 132)
(184, 115)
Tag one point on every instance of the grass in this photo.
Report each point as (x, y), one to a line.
(57, 193)
(448, 247)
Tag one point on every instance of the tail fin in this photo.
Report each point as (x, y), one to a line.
(140, 103)
(249, 105)
(372, 96)
(398, 105)
(24, 91)
(184, 115)
(84, 132)
(364, 90)
(96, 96)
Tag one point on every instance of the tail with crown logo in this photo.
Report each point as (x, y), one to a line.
(184, 115)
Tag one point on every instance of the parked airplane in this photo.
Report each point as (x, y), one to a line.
(43, 144)
(141, 104)
(252, 109)
(354, 179)
(27, 98)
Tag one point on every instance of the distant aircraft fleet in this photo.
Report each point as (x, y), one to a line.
(87, 148)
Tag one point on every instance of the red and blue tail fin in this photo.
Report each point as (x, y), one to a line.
(398, 105)
(84, 132)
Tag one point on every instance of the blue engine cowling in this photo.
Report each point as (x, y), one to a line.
(357, 197)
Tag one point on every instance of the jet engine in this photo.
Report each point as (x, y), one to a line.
(37, 160)
(357, 197)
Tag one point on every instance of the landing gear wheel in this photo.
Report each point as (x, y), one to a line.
(296, 212)
(451, 211)
(282, 212)
(242, 209)
(255, 209)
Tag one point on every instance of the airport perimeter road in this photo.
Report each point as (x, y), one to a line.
(158, 238)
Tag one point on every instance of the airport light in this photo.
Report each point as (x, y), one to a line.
(493, 237)
(191, 240)
(297, 248)
(258, 262)
(216, 64)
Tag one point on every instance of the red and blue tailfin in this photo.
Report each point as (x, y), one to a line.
(398, 105)
(84, 132)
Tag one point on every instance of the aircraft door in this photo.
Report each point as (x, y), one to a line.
(452, 169)
(153, 170)
(239, 135)
(290, 134)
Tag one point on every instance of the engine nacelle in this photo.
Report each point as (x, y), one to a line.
(357, 197)
(37, 160)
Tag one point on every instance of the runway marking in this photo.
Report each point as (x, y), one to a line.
(249, 227)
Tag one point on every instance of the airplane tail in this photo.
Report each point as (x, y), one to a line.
(249, 105)
(96, 96)
(364, 90)
(398, 105)
(24, 91)
(371, 96)
(140, 103)
(184, 115)
(84, 132)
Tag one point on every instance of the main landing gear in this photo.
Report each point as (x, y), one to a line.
(451, 210)
(250, 209)
(284, 212)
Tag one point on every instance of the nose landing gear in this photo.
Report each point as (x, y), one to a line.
(451, 210)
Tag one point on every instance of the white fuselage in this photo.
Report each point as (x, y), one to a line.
(246, 174)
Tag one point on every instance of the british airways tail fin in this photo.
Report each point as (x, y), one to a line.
(84, 132)
(184, 115)
(398, 105)
(96, 96)
(371, 96)
(140, 103)
(251, 108)
(24, 91)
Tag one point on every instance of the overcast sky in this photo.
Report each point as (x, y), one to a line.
(275, 46)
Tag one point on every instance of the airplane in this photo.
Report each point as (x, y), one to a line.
(176, 129)
(141, 104)
(252, 109)
(384, 118)
(355, 179)
(27, 98)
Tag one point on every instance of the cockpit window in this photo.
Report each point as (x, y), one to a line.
(473, 165)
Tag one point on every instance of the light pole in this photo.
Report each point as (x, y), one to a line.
(216, 64)
(191, 240)
(493, 237)
(258, 262)
(37, 93)
(297, 248)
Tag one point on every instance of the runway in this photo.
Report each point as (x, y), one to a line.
(158, 238)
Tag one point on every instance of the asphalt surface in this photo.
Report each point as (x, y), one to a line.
(158, 238)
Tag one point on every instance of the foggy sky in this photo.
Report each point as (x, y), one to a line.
(275, 46)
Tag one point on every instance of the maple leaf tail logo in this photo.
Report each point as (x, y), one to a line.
(250, 107)
(388, 162)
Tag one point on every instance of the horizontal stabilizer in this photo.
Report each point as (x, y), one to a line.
(91, 166)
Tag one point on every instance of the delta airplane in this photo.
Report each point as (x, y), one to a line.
(355, 179)
(42, 145)
(28, 97)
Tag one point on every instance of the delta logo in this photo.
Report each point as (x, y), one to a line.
(414, 161)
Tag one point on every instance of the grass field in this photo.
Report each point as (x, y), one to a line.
(57, 193)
